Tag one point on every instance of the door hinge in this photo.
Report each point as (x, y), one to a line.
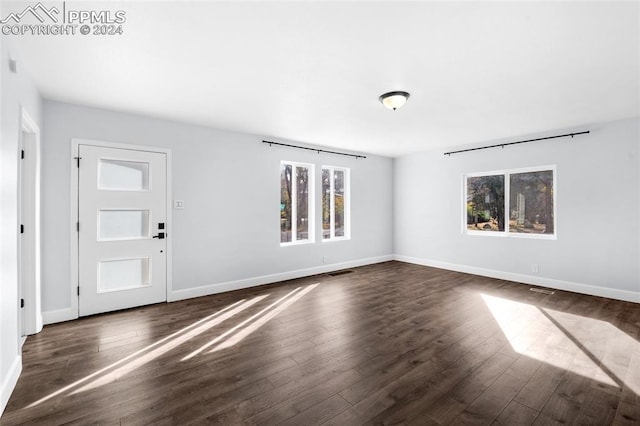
(22, 154)
(77, 226)
(77, 161)
(22, 303)
(78, 290)
(21, 229)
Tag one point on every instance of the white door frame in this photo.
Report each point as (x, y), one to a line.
(29, 278)
(75, 143)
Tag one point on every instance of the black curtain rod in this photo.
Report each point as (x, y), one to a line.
(502, 145)
(315, 149)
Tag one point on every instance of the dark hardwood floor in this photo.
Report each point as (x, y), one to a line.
(391, 343)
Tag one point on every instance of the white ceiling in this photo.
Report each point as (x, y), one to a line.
(312, 72)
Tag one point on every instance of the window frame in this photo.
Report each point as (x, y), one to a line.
(347, 204)
(507, 202)
(294, 202)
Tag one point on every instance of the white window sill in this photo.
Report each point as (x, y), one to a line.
(512, 235)
(331, 240)
(296, 243)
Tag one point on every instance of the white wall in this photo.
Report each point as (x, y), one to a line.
(597, 249)
(17, 91)
(227, 236)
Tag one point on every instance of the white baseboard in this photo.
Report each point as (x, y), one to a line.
(269, 279)
(611, 293)
(60, 315)
(67, 314)
(9, 382)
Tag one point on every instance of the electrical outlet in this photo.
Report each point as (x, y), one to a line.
(534, 268)
(325, 259)
(178, 204)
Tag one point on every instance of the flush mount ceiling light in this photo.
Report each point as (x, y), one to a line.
(394, 100)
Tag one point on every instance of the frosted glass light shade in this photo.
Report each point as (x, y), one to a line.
(394, 100)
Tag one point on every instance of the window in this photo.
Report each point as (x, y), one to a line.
(485, 203)
(335, 203)
(514, 202)
(296, 203)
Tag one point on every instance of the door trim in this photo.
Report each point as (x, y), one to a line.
(29, 244)
(75, 143)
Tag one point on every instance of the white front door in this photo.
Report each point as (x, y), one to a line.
(122, 202)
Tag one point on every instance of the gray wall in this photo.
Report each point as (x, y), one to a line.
(17, 91)
(597, 249)
(229, 228)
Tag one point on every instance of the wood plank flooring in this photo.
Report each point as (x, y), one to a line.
(391, 343)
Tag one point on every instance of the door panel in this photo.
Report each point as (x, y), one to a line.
(122, 204)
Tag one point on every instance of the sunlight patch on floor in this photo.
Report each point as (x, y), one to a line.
(156, 349)
(166, 347)
(151, 352)
(220, 339)
(581, 345)
(240, 335)
(612, 347)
